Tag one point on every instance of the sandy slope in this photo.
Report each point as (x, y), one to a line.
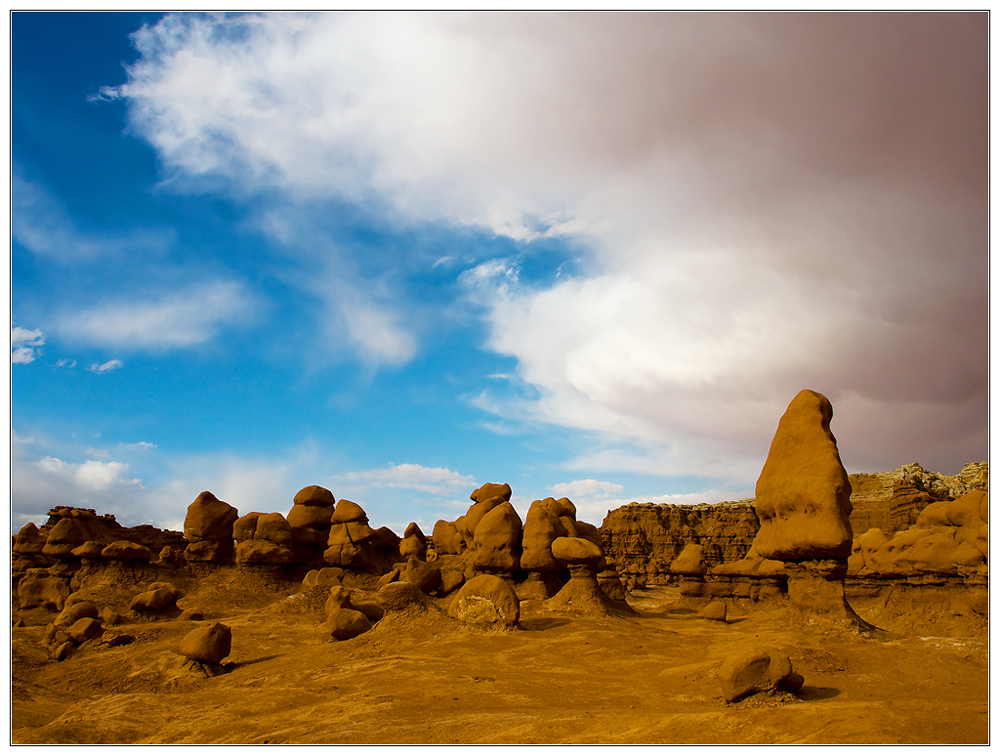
(561, 678)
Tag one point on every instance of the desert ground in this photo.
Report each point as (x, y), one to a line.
(420, 677)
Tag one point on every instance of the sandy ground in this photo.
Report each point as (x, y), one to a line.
(561, 678)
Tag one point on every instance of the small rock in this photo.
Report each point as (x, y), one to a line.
(757, 669)
(209, 644)
(715, 611)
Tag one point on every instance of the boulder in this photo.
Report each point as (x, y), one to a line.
(715, 611)
(89, 550)
(541, 528)
(425, 576)
(756, 669)
(28, 541)
(275, 528)
(497, 540)
(76, 611)
(447, 539)
(467, 523)
(414, 543)
(85, 629)
(246, 526)
(306, 516)
(209, 519)
(348, 511)
(126, 551)
(383, 539)
(803, 493)
(208, 527)
(327, 577)
(491, 490)
(315, 496)
(344, 624)
(397, 596)
(209, 644)
(577, 551)
(66, 535)
(486, 600)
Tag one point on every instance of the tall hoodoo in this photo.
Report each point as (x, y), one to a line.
(803, 493)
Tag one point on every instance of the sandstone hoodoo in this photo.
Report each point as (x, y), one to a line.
(804, 505)
(208, 527)
(723, 591)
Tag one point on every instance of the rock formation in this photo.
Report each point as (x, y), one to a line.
(208, 527)
(209, 644)
(487, 600)
(757, 669)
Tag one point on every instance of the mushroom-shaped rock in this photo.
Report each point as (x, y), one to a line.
(85, 629)
(486, 600)
(126, 551)
(497, 540)
(209, 644)
(803, 493)
(425, 576)
(577, 551)
(541, 528)
(491, 490)
(757, 669)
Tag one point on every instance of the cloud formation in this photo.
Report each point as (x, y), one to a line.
(23, 342)
(439, 481)
(176, 319)
(770, 201)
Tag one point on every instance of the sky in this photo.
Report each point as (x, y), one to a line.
(399, 256)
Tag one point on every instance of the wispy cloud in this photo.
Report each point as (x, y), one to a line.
(23, 342)
(433, 480)
(177, 319)
(105, 366)
(42, 225)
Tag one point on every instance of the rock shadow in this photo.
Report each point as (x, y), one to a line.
(536, 624)
(248, 662)
(816, 693)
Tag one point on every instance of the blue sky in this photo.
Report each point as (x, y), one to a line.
(400, 256)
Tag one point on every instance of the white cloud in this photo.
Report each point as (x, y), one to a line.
(439, 481)
(22, 344)
(180, 319)
(105, 366)
(65, 362)
(760, 212)
(586, 487)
